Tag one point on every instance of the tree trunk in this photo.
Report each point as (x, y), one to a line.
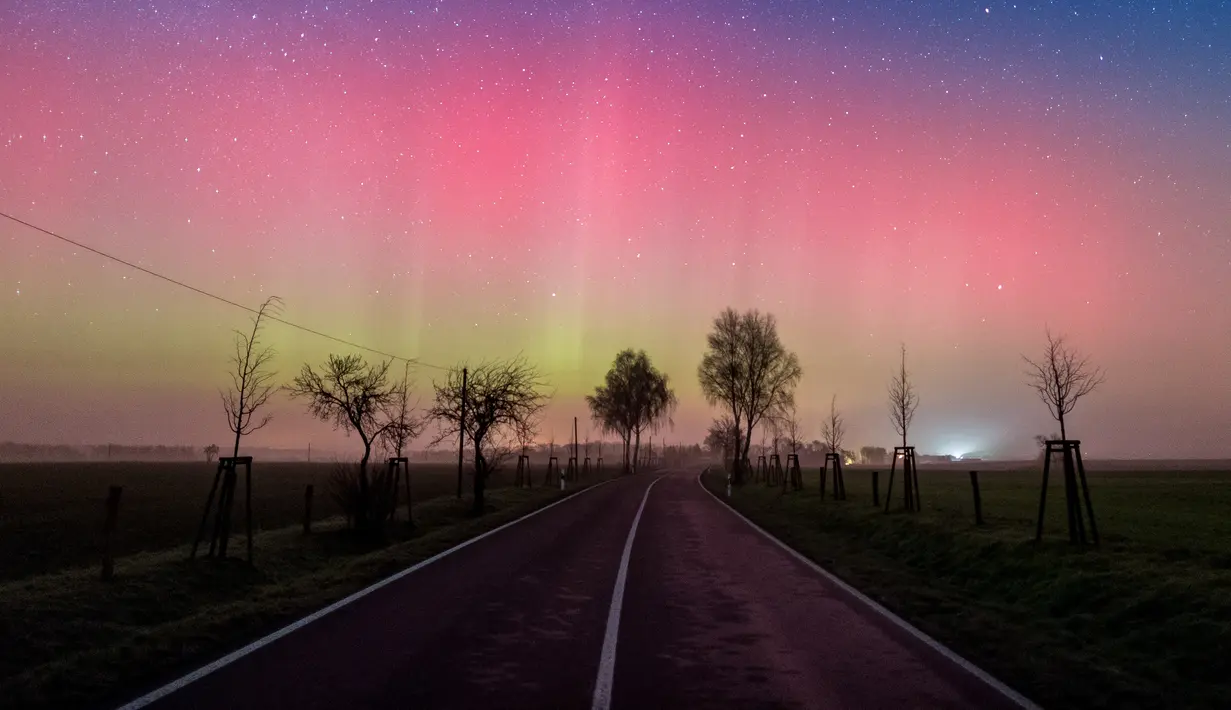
(361, 515)
(627, 448)
(737, 468)
(480, 479)
(637, 451)
(747, 447)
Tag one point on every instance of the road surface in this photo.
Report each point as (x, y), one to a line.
(711, 615)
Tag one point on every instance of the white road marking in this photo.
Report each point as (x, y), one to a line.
(234, 656)
(606, 662)
(1014, 696)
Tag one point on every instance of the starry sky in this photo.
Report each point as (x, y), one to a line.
(465, 179)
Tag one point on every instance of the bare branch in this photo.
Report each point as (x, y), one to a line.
(833, 429)
(1061, 377)
(903, 400)
(251, 379)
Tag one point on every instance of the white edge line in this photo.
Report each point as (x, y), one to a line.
(606, 663)
(1019, 699)
(230, 658)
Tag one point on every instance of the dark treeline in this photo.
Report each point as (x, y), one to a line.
(13, 451)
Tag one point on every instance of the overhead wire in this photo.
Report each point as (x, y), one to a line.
(216, 297)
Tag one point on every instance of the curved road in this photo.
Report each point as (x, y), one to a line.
(712, 614)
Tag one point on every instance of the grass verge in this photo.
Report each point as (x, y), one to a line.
(1132, 624)
(72, 641)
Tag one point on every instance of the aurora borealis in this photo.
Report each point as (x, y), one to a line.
(451, 180)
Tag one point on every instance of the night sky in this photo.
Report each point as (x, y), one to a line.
(470, 179)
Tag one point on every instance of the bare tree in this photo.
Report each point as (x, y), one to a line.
(634, 399)
(833, 429)
(747, 369)
(1061, 377)
(902, 400)
(403, 426)
(721, 437)
(503, 401)
(356, 397)
(251, 379)
(791, 429)
(211, 453)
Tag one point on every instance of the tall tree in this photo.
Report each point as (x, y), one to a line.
(635, 398)
(1061, 377)
(356, 397)
(251, 379)
(503, 401)
(902, 400)
(747, 369)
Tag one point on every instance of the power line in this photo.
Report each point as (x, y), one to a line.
(207, 294)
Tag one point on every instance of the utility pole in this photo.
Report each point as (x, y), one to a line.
(576, 461)
(461, 434)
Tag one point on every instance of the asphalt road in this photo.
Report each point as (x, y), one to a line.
(713, 615)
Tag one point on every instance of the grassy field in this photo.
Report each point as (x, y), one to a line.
(1144, 621)
(73, 641)
(51, 514)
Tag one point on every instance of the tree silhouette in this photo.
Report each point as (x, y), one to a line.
(211, 453)
(251, 379)
(833, 429)
(358, 398)
(503, 402)
(902, 400)
(721, 437)
(1061, 377)
(746, 369)
(403, 426)
(635, 398)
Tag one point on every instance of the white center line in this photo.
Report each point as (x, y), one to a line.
(606, 662)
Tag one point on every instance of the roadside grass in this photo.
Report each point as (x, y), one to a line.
(1143, 621)
(73, 641)
(51, 513)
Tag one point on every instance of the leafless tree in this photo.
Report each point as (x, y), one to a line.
(902, 400)
(1061, 377)
(833, 429)
(721, 437)
(356, 397)
(747, 370)
(211, 453)
(791, 429)
(504, 399)
(251, 379)
(634, 398)
(403, 426)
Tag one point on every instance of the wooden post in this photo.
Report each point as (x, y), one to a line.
(1081, 471)
(974, 484)
(876, 489)
(307, 509)
(113, 514)
(461, 434)
(248, 505)
(209, 505)
(824, 469)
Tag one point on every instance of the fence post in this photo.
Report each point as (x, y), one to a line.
(307, 509)
(974, 484)
(876, 489)
(113, 514)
